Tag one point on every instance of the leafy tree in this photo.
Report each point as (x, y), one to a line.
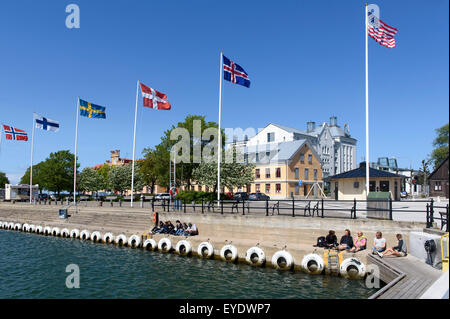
(56, 172)
(232, 175)
(36, 176)
(148, 168)
(162, 151)
(104, 172)
(440, 143)
(3, 180)
(90, 180)
(119, 179)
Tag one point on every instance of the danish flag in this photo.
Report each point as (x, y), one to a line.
(154, 99)
(15, 134)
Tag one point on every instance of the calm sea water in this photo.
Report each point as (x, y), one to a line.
(34, 266)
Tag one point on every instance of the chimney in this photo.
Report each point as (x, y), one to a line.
(333, 121)
(310, 126)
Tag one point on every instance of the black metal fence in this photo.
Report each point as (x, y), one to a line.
(443, 215)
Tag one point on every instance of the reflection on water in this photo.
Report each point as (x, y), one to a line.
(33, 266)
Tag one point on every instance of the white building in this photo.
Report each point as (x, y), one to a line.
(335, 146)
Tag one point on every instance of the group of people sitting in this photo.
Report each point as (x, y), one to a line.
(179, 229)
(359, 243)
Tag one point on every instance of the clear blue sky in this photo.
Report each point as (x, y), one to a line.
(305, 60)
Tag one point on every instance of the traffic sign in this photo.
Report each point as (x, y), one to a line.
(300, 182)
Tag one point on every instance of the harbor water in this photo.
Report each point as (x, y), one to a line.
(34, 266)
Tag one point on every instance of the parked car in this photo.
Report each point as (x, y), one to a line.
(229, 196)
(239, 196)
(403, 195)
(43, 196)
(162, 196)
(258, 196)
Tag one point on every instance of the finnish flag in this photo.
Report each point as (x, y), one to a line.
(46, 124)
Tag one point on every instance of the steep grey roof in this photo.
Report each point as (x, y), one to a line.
(289, 129)
(336, 131)
(278, 151)
(361, 172)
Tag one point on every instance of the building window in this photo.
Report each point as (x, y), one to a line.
(245, 158)
(199, 187)
(278, 172)
(437, 186)
(297, 189)
(248, 188)
(278, 188)
(296, 173)
(267, 188)
(356, 185)
(315, 174)
(257, 188)
(270, 137)
(257, 173)
(302, 158)
(306, 173)
(267, 172)
(309, 158)
(207, 189)
(257, 157)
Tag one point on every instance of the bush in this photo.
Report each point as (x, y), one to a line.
(195, 196)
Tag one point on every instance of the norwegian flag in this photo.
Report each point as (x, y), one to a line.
(154, 99)
(15, 134)
(381, 32)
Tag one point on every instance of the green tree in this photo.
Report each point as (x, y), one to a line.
(104, 172)
(36, 176)
(232, 175)
(119, 178)
(56, 172)
(161, 153)
(90, 180)
(148, 168)
(440, 144)
(3, 180)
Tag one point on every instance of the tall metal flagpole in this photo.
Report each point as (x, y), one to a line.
(219, 157)
(367, 100)
(75, 160)
(170, 178)
(31, 160)
(134, 143)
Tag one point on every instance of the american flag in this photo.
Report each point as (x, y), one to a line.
(381, 32)
(15, 134)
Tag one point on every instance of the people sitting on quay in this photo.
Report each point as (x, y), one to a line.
(398, 251)
(180, 229)
(346, 242)
(379, 243)
(359, 243)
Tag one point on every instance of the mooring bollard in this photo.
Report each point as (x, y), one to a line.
(100, 203)
(111, 203)
(142, 201)
(120, 202)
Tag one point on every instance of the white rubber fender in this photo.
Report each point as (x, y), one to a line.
(5, 225)
(352, 268)
(282, 260)
(121, 240)
(32, 228)
(55, 231)
(1, 224)
(183, 247)
(26, 227)
(255, 256)
(108, 238)
(85, 235)
(134, 241)
(313, 264)
(11, 225)
(47, 231)
(65, 233)
(205, 250)
(17, 226)
(39, 230)
(150, 244)
(164, 245)
(229, 253)
(75, 233)
(96, 236)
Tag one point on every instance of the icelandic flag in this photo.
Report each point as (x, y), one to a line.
(233, 72)
(46, 124)
(15, 134)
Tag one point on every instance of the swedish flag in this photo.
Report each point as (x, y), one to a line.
(91, 110)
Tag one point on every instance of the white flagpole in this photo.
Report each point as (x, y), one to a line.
(134, 143)
(31, 160)
(367, 101)
(219, 157)
(170, 178)
(75, 157)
